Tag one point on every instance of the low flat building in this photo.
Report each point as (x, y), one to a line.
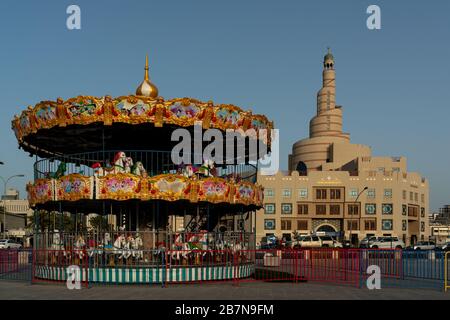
(336, 187)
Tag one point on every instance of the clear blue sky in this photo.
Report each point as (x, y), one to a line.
(263, 55)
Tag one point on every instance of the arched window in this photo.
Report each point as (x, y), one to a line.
(301, 168)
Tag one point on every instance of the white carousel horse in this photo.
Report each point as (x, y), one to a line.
(127, 165)
(136, 245)
(121, 164)
(127, 247)
(56, 246)
(118, 245)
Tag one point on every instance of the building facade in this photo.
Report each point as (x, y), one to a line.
(15, 213)
(440, 225)
(339, 188)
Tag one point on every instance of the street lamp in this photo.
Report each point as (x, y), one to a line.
(351, 221)
(5, 183)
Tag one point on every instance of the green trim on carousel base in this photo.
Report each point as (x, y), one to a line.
(142, 275)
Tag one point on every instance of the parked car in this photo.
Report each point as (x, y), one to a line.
(308, 242)
(269, 242)
(444, 247)
(387, 243)
(367, 241)
(330, 242)
(9, 244)
(424, 245)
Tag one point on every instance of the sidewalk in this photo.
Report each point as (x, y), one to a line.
(215, 291)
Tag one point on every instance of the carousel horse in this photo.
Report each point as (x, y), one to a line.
(136, 246)
(139, 170)
(127, 248)
(79, 249)
(121, 164)
(187, 171)
(119, 243)
(56, 247)
(207, 168)
(60, 171)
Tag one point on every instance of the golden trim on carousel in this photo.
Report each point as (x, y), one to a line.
(184, 112)
(126, 186)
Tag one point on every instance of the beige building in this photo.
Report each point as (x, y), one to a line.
(337, 187)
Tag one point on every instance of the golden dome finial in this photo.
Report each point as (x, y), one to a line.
(147, 88)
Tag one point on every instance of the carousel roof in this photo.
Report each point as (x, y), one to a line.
(141, 121)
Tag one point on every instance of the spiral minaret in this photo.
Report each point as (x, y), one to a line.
(325, 127)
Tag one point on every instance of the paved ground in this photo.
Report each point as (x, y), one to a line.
(216, 291)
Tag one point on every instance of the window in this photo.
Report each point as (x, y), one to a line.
(404, 194)
(416, 197)
(370, 225)
(287, 193)
(286, 208)
(371, 193)
(411, 195)
(303, 193)
(321, 209)
(353, 193)
(422, 226)
(352, 225)
(422, 198)
(321, 193)
(387, 208)
(269, 193)
(386, 224)
(353, 209)
(335, 194)
(422, 212)
(269, 224)
(388, 193)
(335, 209)
(413, 211)
(302, 224)
(302, 209)
(404, 225)
(404, 210)
(269, 208)
(371, 208)
(286, 224)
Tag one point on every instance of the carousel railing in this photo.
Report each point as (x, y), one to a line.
(150, 163)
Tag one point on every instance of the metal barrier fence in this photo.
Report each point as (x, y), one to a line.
(416, 269)
(15, 264)
(446, 271)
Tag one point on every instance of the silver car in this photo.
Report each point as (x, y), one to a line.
(424, 245)
(9, 244)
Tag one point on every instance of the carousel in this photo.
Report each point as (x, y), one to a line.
(108, 196)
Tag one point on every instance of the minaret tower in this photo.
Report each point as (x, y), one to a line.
(325, 128)
(328, 121)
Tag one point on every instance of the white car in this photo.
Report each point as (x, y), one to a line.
(424, 245)
(9, 244)
(387, 243)
(330, 242)
(308, 242)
